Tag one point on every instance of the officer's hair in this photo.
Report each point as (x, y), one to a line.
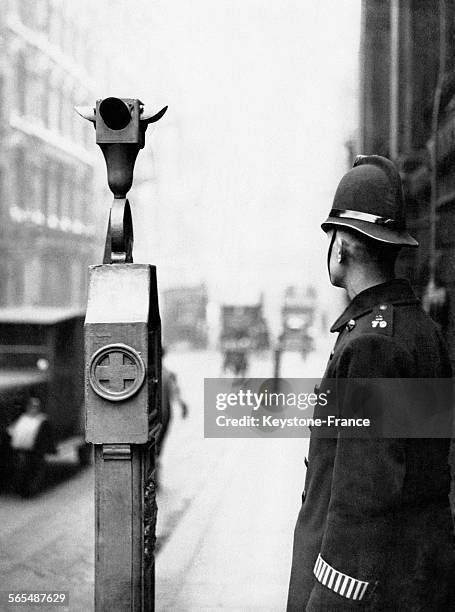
(365, 250)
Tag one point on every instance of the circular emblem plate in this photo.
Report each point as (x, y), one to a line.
(116, 372)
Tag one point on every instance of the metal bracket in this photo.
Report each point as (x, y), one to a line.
(116, 452)
(119, 237)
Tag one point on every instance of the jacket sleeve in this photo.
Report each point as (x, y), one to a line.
(366, 486)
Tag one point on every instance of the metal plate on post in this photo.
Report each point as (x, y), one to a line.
(116, 372)
(122, 371)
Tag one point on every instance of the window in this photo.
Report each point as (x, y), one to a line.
(36, 190)
(19, 171)
(69, 112)
(15, 281)
(52, 195)
(21, 83)
(45, 98)
(34, 95)
(45, 188)
(43, 12)
(59, 181)
(53, 23)
(27, 12)
(68, 185)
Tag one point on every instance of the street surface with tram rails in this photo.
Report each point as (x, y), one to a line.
(227, 510)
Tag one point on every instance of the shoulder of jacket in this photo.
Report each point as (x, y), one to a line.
(379, 321)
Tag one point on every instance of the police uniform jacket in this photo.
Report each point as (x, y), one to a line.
(375, 530)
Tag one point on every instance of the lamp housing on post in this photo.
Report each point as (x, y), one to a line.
(120, 125)
(118, 121)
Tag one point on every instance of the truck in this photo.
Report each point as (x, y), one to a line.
(298, 317)
(243, 329)
(184, 316)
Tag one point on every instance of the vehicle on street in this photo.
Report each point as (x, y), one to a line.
(298, 315)
(243, 330)
(41, 355)
(184, 316)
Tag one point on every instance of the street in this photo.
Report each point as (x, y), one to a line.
(227, 509)
(279, 163)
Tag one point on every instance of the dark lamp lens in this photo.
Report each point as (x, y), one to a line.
(115, 113)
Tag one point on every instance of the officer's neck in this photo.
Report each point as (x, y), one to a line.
(359, 280)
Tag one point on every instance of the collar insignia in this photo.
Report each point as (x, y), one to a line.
(378, 321)
(382, 320)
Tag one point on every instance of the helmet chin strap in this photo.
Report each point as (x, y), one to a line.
(329, 254)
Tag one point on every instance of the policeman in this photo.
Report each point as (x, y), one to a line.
(375, 530)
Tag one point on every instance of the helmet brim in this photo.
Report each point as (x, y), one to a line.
(372, 230)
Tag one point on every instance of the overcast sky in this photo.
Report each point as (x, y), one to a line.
(262, 97)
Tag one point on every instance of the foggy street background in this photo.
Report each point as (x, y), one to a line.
(227, 201)
(268, 104)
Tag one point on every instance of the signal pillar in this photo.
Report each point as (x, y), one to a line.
(123, 379)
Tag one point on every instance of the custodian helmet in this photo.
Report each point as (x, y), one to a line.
(369, 199)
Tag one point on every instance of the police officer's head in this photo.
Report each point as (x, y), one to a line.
(353, 254)
(367, 225)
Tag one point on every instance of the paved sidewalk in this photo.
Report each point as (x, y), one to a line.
(47, 544)
(231, 547)
(232, 551)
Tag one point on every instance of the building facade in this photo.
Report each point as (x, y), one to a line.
(407, 113)
(47, 155)
(55, 54)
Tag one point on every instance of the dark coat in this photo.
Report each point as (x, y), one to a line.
(375, 525)
(45, 440)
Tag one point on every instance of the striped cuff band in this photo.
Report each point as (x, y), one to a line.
(340, 583)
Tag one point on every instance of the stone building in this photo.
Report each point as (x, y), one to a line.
(407, 112)
(47, 154)
(54, 55)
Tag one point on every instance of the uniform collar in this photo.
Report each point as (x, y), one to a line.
(396, 291)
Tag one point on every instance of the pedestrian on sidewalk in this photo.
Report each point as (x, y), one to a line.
(32, 438)
(375, 530)
(171, 399)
